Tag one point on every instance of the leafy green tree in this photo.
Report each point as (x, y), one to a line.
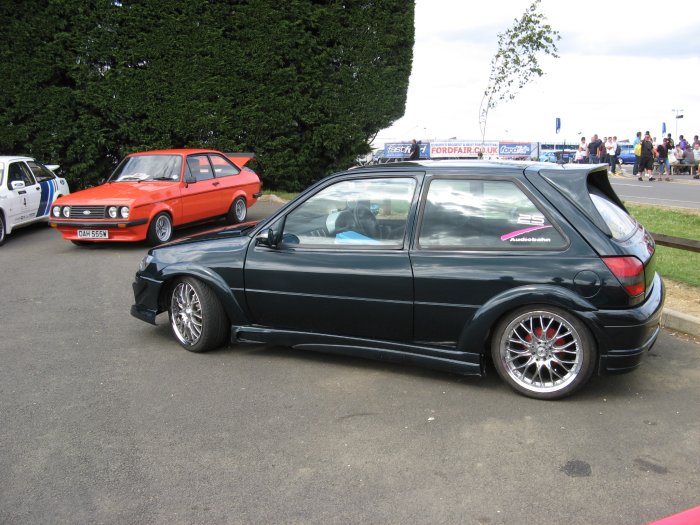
(515, 63)
(304, 84)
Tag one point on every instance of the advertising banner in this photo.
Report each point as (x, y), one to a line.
(401, 150)
(462, 150)
(515, 149)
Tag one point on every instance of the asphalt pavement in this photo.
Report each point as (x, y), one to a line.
(106, 419)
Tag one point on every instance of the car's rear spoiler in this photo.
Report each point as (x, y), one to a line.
(240, 159)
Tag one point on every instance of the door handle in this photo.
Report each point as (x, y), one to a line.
(22, 192)
(215, 183)
(38, 188)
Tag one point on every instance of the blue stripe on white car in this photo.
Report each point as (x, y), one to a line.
(48, 190)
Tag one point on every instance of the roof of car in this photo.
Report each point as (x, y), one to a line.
(10, 158)
(175, 151)
(471, 164)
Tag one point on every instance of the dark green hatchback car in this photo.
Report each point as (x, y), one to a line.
(538, 267)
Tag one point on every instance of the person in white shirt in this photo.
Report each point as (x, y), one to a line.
(611, 147)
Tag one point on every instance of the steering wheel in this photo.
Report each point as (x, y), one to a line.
(366, 221)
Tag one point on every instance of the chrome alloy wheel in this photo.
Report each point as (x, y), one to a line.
(541, 351)
(240, 210)
(186, 314)
(164, 228)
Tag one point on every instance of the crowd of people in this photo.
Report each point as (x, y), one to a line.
(648, 155)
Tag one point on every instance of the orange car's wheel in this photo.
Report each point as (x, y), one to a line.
(238, 211)
(160, 229)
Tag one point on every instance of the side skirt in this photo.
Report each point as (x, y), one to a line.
(443, 359)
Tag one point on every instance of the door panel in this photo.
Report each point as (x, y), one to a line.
(24, 201)
(341, 266)
(201, 199)
(359, 294)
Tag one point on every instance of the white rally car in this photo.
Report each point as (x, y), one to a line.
(27, 190)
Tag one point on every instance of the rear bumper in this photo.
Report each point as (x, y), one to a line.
(625, 336)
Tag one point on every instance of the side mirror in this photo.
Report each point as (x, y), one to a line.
(190, 179)
(266, 238)
(17, 184)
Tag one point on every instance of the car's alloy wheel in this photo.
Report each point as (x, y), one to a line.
(545, 353)
(196, 316)
(160, 230)
(238, 211)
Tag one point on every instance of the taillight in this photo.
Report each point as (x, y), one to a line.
(629, 271)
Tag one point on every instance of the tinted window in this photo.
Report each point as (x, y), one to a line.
(484, 214)
(363, 212)
(621, 224)
(41, 173)
(222, 167)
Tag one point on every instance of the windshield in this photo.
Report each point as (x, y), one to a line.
(147, 168)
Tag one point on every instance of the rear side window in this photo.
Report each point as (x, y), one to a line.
(222, 167)
(41, 173)
(621, 224)
(480, 214)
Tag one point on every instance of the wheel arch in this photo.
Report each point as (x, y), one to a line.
(479, 329)
(234, 311)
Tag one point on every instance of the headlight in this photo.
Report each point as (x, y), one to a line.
(56, 211)
(124, 211)
(145, 262)
(112, 211)
(66, 211)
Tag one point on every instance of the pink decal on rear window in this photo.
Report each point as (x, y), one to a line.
(507, 236)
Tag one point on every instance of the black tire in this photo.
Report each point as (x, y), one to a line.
(160, 230)
(543, 352)
(3, 235)
(238, 212)
(197, 318)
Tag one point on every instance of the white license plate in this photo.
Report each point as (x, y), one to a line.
(93, 234)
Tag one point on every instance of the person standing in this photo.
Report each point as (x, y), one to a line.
(670, 144)
(582, 152)
(646, 159)
(414, 152)
(593, 145)
(682, 143)
(613, 150)
(636, 147)
(696, 159)
(662, 157)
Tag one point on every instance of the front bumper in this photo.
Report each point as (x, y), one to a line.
(146, 298)
(126, 231)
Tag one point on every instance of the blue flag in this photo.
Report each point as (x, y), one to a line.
(663, 127)
(558, 124)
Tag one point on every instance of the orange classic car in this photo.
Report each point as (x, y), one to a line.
(151, 193)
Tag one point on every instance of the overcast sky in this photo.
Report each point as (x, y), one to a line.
(623, 67)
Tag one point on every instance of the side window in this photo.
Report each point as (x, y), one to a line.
(199, 167)
(222, 167)
(363, 212)
(41, 173)
(480, 214)
(17, 171)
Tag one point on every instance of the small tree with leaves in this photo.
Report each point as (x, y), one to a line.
(515, 63)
